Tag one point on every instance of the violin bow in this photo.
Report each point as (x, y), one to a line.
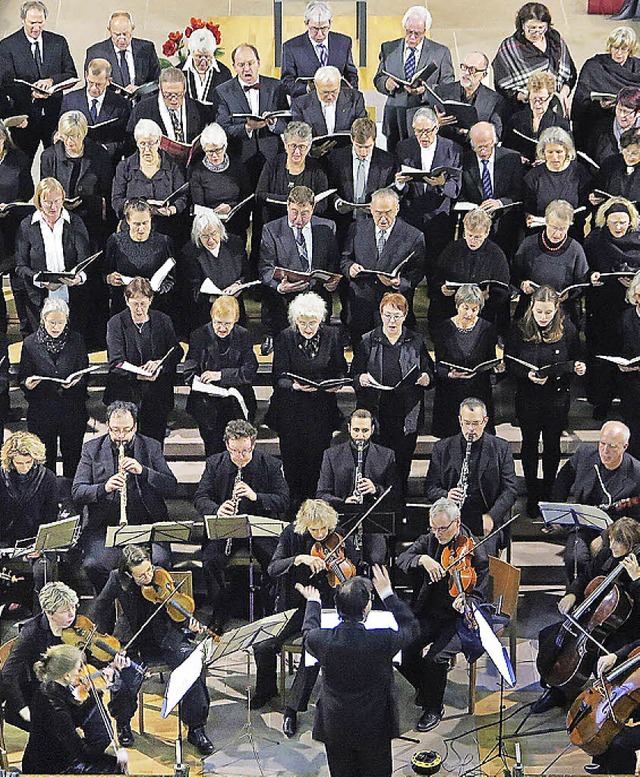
(486, 539)
(104, 715)
(154, 613)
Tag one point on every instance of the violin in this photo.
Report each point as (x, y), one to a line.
(85, 636)
(599, 713)
(456, 559)
(81, 688)
(6, 576)
(331, 551)
(162, 590)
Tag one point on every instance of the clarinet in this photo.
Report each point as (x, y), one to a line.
(123, 494)
(236, 501)
(463, 480)
(357, 495)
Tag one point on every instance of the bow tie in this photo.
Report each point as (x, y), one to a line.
(253, 86)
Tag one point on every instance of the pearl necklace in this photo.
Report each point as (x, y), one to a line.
(557, 246)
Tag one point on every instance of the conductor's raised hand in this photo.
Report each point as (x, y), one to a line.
(310, 593)
(381, 580)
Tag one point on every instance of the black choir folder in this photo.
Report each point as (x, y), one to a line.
(50, 276)
(550, 370)
(409, 380)
(482, 367)
(263, 116)
(324, 276)
(416, 79)
(620, 361)
(320, 384)
(67, 84)
(422, 176)
(482, 284)
(465, 114)
(393, 274)
(70, 378)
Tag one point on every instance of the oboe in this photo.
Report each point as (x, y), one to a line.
(123, 494)
(235, 500)
(463, 481)
(357, 495)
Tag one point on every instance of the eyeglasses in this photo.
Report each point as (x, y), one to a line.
(472, 424)
(148, 143)
(442, 529)
(225, 324)
(429, 131)
(393, 316)
(322, 28)
(297, 146)
(240, 451)
(471, 70)
(539, 99)
(121, 429)
(539, 29)
(173, 95)
(216, 151)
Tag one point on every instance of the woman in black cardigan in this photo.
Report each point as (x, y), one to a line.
(57, 411)
(619, 174)
(143, 337)
(305, 417)
(386, 355)
(292, 168)
(630, 349)
(466, 340)
(220, 353)
(541, 338)
(212, 256)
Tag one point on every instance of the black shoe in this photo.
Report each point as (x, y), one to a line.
(289, 723)
(429, 720)
(198, 738)
(125, 734)
(266, 347)
(594, 768)
(550, 698)
(259, 700)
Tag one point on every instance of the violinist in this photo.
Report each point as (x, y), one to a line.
(163, 639)
(618, 541)
(54, 745)
(298, 558)
(443, 623)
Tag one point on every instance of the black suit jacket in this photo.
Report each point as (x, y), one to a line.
(148, 108)
(349, 107)
(508, 173)
(497, 474)
(146, 492)
(263, 473)
(57, 64)
(145, 59)
(299, 60)
(232, 99)
(337, 473)
(358, 698)
(114, 106)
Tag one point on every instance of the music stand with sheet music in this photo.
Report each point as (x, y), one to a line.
(230, 527)
(58, 535)
(146, 533)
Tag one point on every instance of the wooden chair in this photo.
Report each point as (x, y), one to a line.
(286, 661)
(4, 758)
(504, 581)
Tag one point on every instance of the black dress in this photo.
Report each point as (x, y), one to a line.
(233, 356)
(126, 341)
(542, 186)
(229, 186)
(276, 182)
(305, 421)
(542, 409)
(56, 413)
(630, 381)
(604, 306)
(521, 123)
(618, 179)
(466, 349)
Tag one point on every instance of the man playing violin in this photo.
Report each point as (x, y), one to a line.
(162, 639)
(442, 616)
(618, 542)
(297, 560)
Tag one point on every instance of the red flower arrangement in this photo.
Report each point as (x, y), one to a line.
(176, 42)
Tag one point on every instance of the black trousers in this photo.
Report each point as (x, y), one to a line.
(391, 434)
(372, 758)
(547, 422)
(68, 430)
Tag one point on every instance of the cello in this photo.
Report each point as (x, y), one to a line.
(567, 656)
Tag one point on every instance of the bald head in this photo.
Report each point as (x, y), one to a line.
(614, 441)
(483, 139)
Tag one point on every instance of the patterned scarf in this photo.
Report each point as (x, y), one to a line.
(519, 59)
(309, 346)
(53, 345)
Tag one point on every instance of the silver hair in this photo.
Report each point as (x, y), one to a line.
(207, 218)
(561, 209)
(54, 305)
(473, 403)
(481, 125)
(308, 304)
(326, 73)
(558, 136)
(634, 286)
(418, 12)
(471, 294)
(318, 12)
(202, 40)
(214, 135)
(425, 113)
(297, 129)
(387, 191)
(147, 128)
(171, 75)
(447, 506)
(617, 425)
(29, 4)
(124, 14)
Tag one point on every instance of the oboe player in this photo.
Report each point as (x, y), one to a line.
(489, 486)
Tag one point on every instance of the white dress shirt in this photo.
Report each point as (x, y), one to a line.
(128, 55)
(38, 42)
(53, 249)
(329, 112)
(166, 118)
(427, 155)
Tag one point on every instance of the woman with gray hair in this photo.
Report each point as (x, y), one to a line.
(56, 408)
(630, 378)
(292, 168)
(215, 259)
(462, 343)
(302, 415)
(560, 177)
(220, 183)
(203, 72)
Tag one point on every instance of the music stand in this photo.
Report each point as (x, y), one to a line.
(146, 533)
(57, 535)
(244, 638)
(574, 515)
(230, 527)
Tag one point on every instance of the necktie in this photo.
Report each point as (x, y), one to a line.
(93, 111)
(382, 239)
(410, 65)
(487, 188)
(177, 125)
(124, 69)
(302, 249)
(360, 182)
(35, 50)
(324, 55)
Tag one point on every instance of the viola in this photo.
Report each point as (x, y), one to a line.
(331, 551)
(180, 607)
(81, 688)
(84, 635)
(456, 559)
(599, 713)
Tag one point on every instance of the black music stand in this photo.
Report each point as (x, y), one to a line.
(574, 515)
(223, 527)
(146, 533)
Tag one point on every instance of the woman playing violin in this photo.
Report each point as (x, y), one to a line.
(615, 547)
(298, 559)
(442, 616)
(162, 639)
